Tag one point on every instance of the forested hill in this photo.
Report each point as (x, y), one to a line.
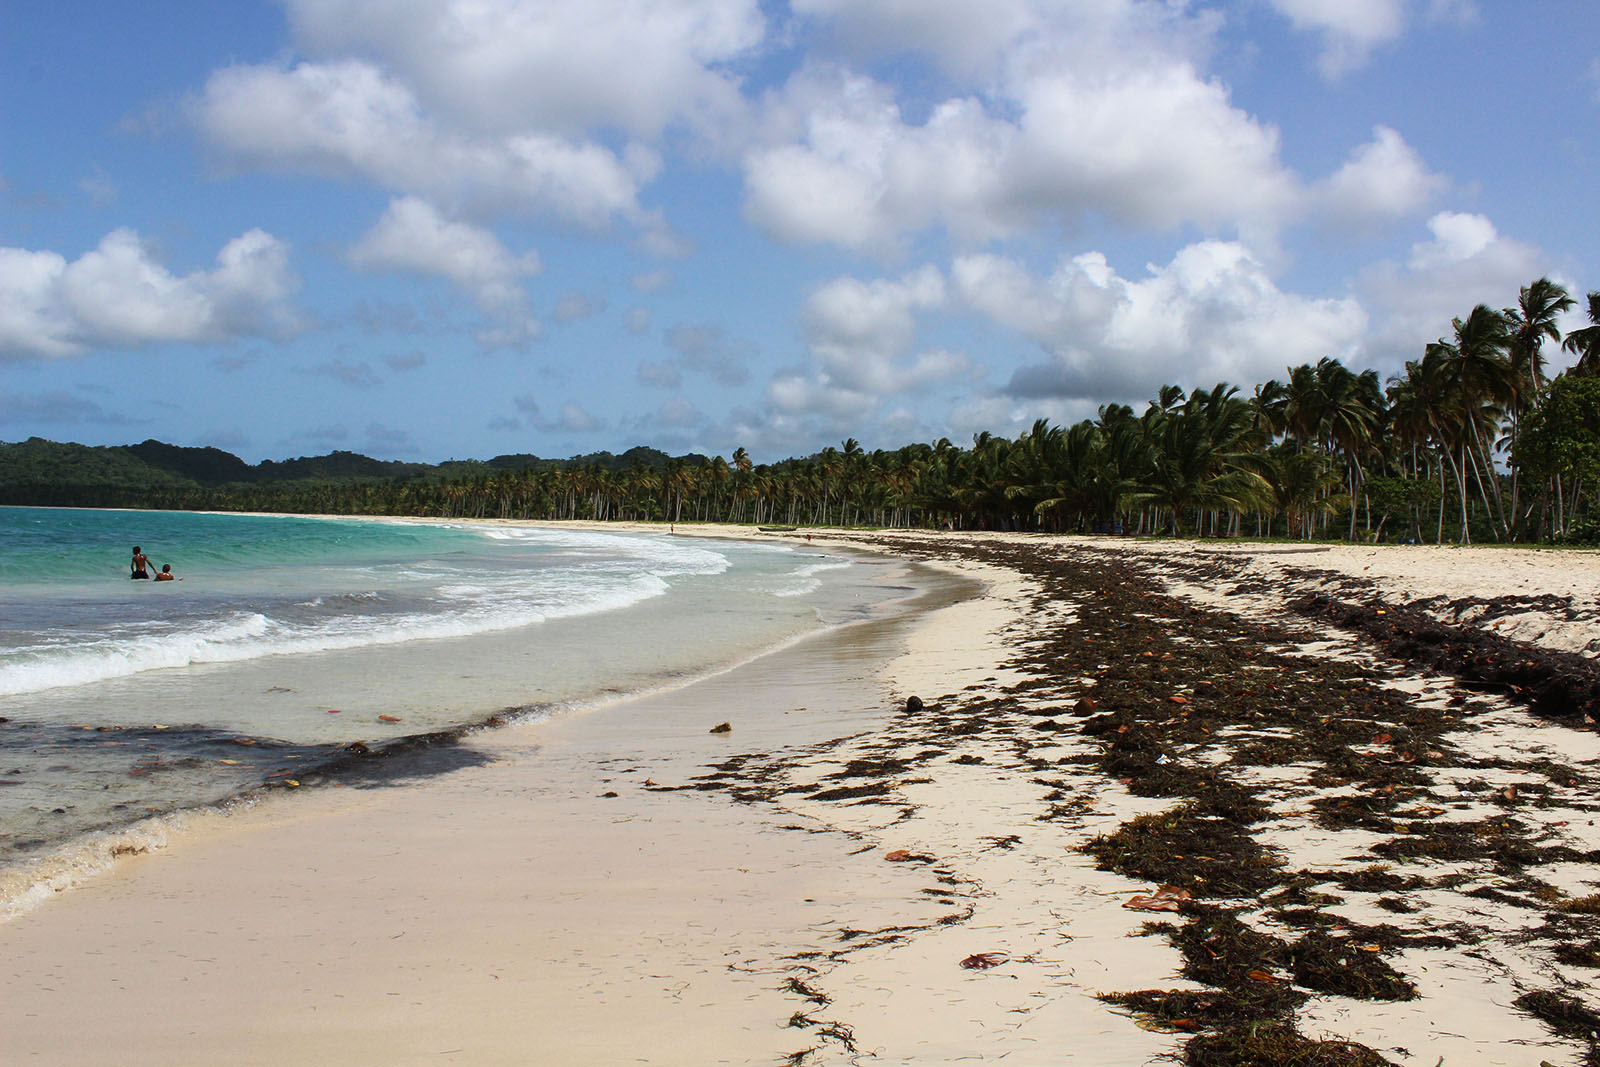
(156, 474)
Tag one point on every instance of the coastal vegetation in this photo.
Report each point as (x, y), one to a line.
(1474, 441)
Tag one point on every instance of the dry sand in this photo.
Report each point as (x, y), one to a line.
(732, 902)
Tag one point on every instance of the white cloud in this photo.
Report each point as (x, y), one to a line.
(859, 334)
(638, 321)
(1466, 262)
(350, 119)
(1457, 238)
(858, 331)
(799, 394)
(1212, 314)
(507, 65)
(412, 236)
(1152, 145)
(1350, 29)
(1383, 180)
(118, 296)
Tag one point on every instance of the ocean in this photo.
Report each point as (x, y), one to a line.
(298, 649)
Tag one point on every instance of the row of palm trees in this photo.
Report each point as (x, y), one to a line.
(1429, 454)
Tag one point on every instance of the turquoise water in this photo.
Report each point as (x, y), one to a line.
(290, 639)
(80, 550)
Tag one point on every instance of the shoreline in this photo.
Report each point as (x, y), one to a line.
(809, 884)
(40, 864)
(561, 762)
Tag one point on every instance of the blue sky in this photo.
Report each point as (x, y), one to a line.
(462, 228)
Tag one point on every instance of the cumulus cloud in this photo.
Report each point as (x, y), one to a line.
(412, 236)
(1155, 146)
(119, 296)
(859, 331)
(1212, 314)
(1466, 261)
(1384, 179)
(1350, 29)
(861, 336)
(351, 119)
(504, 65)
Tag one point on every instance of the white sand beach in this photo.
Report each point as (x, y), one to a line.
(626, 886)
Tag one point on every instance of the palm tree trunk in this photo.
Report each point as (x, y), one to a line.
(1498, 511)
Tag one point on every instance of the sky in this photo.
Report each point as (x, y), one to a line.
(436, 229)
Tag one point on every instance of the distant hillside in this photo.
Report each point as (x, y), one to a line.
(43, 472)
(208, 466)
(156, 474)
(337, 467)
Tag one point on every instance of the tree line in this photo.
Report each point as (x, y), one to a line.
(1474, 441)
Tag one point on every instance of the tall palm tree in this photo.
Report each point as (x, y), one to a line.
(1479, 374)
(1531, 323)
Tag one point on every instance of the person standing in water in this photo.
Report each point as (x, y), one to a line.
(140, 564)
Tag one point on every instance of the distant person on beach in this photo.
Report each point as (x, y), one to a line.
(141, 563)
(166, 574)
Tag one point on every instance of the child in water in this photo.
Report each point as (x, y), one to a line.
(166, 574)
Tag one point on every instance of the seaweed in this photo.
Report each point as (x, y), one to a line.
(1346, 967)
(1276, 1045)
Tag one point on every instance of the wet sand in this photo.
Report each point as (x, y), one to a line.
(1379, 863)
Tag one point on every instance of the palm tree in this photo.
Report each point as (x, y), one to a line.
(1532, 322)
(1202, 456)
(1585, 343)
(1478, 373)
(1302, 488)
